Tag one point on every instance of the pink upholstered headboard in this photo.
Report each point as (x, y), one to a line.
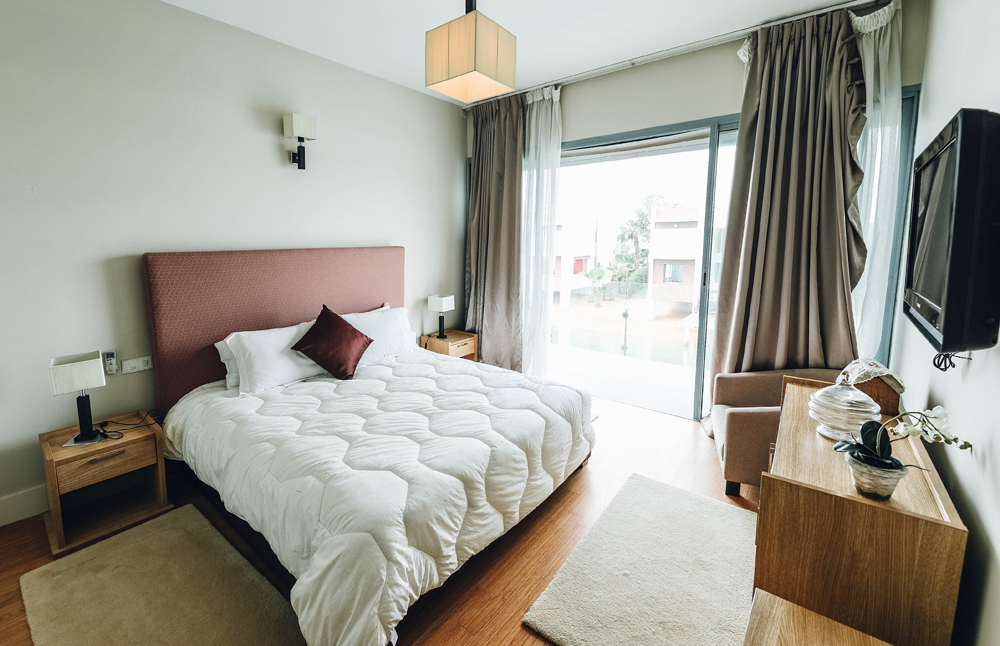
(197, 298)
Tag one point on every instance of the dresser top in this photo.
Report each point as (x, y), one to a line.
(803, 455)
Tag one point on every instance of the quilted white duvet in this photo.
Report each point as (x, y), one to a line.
(375, 490)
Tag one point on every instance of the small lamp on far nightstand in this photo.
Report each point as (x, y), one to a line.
(77, 373)
(441, 304)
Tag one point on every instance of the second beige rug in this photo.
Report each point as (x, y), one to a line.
(172, 580)
(660, 567)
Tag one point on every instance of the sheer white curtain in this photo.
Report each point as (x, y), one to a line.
(540, 180)
(879, 36)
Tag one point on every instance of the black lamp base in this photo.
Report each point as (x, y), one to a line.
(441, 334)
(87, 433)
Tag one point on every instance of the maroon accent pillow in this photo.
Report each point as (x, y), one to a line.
(334, 344)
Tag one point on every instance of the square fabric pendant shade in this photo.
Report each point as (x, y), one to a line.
(471, 58)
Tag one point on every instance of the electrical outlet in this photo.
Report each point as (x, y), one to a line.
(110, 362)
(136, 365)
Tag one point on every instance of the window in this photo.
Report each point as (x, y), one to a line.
(673, 273)
(641, 217)
(557, 272)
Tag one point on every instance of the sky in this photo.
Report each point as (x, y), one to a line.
(612, 191)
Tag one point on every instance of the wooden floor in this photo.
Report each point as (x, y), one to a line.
(483, 602)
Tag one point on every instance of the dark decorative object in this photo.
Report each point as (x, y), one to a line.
(334, 344)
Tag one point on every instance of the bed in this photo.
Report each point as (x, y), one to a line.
(370, 491)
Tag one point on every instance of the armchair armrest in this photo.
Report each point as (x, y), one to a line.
(749, 435)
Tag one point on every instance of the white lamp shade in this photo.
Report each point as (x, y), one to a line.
(470, 58)
(299, 125)
(76, 372)
(440, 303)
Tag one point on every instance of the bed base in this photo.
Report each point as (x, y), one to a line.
(273, 570)
(279, 577)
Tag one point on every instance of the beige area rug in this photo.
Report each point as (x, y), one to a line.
(660, 566)
(172, 580)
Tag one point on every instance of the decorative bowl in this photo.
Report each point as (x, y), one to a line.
(841, 410)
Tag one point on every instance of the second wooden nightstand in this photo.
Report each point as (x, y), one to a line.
(458, 344)
(96, 490)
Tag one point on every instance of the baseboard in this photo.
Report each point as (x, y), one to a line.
(23, 504)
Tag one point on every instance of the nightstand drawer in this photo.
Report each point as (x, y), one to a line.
(462, 348)
(110, 463)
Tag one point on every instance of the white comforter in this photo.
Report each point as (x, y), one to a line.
(374, 491)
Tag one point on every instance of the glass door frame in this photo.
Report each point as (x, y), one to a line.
(715, 126)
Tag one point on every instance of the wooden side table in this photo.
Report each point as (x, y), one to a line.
(458, 344)
(776, 622)
(97, 490)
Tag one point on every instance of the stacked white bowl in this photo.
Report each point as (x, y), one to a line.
(841, 410)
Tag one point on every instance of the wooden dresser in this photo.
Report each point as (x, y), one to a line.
(888, 569)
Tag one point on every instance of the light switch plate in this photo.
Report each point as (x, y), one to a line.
(136, 365)
(110, 362)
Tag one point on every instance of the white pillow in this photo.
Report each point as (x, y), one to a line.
(389, 330)
(227, 356)
(266, 359)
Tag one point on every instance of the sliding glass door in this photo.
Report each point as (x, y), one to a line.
(639, 235)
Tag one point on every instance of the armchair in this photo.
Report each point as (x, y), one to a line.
(745, 413)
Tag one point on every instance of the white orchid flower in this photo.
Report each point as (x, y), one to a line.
(931, 425)
(905, 429)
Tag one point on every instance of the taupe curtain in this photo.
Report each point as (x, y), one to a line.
(493, 244)
(793, 249)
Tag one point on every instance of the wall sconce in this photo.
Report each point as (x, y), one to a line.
(301, 127)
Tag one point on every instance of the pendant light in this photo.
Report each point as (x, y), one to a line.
(470, 58)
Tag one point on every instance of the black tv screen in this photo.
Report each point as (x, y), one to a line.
(952, 289)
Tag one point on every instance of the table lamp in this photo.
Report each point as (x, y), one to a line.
(441, 304)
(77, 373)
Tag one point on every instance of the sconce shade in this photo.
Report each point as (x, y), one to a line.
(440, 303)
(470, 58)
(76, 372)
(299, 125)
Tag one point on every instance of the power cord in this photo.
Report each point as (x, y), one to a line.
(946, 360)
(117, 433)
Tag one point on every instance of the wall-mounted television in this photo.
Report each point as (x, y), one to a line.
(952, 289)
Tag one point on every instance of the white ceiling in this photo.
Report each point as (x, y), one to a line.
(555, 38)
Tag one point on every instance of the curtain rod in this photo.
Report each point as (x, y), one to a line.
(682, 49)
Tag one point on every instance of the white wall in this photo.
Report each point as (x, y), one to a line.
(698, 85)
(962, 70)
(129, 126)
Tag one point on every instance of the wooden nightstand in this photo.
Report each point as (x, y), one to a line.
(458, 344)
(97, 490)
